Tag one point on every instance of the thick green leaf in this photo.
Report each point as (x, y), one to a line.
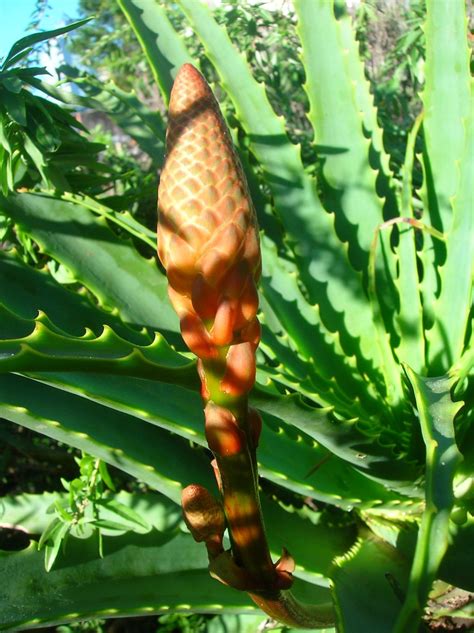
(364, 98)
(349, 179)
(106, 265)
(336, 378)
(138, 575)
(451, 309)
(287, 527)
(36, 346)
(295, 529)
(436, 412)
(366, 128)
(26, 291)
(446, 100)
(372, 453)
(285, 456)
(164, 51)
(409, 318)
(368, 584)
(163, 461)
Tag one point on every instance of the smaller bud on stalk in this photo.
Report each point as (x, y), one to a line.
(203, 515)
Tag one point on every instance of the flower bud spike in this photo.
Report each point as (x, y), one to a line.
(208, 243)
(207, 226)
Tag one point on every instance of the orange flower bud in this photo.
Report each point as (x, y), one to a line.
(207, 229)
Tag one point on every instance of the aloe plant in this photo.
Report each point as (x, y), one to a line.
(363, 373)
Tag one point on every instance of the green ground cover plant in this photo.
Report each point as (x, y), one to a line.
(364, 372)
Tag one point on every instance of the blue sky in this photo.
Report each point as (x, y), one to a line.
(15, 16)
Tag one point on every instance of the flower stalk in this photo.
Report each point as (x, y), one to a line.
(208, 243)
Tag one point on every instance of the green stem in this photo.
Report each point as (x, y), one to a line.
(239, 486)
(241, 500)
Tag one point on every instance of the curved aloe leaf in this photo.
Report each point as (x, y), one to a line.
(299, 322)
(349, 179)
(156, 35)
(451, 309)
(285, 456)
(446, 102)
(130, 444)
(292, 528)
(138, 575)
(360, 177)
(369, 453)
(32, 513)
(106, 265)
(355, 69)
(409, 318)
(36, 346)
(27, 291)
(369, 582)
(436, 411)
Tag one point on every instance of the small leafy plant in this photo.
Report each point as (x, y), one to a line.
(364, 372)
(87, 510)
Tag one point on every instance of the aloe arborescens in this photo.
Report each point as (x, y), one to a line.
(208, 243)
(365, 354)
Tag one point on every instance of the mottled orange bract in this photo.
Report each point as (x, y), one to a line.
(207, 230)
